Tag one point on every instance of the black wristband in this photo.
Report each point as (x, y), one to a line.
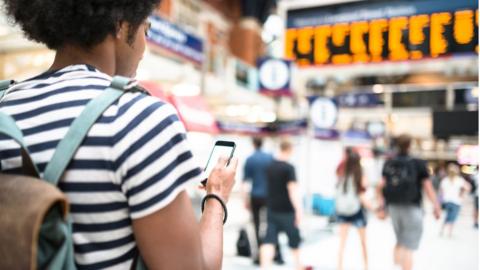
(213, 196)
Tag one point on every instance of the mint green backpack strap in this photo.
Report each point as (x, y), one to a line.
(4, 85)
(80, 127)
(11, 130)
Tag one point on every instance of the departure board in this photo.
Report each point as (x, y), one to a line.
(341, 37)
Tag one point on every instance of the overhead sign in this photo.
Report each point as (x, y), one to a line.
(358, 100)
(379, 31)
(323, 113)
(274, 76)
(170, 37)
(376, 128)
(278, 127)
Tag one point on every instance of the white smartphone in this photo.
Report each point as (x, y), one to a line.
(221, 148)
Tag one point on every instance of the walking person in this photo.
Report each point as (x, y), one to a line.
(255, 175)
(400, 195)
(283, 206)
(350, 203)
(126, 184)
(452, 189)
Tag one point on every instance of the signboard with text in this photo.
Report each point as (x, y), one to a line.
(175, 40)
(373, 32)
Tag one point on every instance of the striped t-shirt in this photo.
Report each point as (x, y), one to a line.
(133, 162)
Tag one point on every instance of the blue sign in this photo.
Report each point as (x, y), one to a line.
(471, 95)
(323, 112)
(172, 38)
(356, 100)
(274, 76)
(326, 134)
(369, 10)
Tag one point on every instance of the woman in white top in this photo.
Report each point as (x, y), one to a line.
(452, 188)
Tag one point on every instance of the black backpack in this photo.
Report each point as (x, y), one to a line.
(243, 244)
(401, 181)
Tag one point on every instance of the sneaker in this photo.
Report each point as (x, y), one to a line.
(279, 260)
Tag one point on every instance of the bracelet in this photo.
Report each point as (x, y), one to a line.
(213, 196)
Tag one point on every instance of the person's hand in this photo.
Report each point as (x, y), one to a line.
(437, 212)
(222, 178)
(247, 204)
(381, 213)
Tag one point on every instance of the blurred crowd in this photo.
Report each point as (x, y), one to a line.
(270, 191)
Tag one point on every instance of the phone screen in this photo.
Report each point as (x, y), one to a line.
(221, 148)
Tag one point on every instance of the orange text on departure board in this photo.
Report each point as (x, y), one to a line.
(395, 39)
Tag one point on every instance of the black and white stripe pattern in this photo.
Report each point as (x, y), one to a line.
(134, 161)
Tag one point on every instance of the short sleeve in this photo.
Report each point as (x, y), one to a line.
(422, 170)
(291, 174)
(247, 171)
(154, 158)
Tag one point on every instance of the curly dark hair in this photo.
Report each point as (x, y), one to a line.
(80, 22)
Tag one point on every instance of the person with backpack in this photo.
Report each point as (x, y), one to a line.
(350, 202)
(126, 180)
(452, 189)
(400, 195)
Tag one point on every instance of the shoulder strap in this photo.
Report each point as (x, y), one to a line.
(4, 85)
(11, 130)
(80, 127)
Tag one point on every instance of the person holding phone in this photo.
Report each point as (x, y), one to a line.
(126, 183)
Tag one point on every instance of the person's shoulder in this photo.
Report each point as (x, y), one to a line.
(415, 159)
(287, 165)
(138, 101)
(266, 155)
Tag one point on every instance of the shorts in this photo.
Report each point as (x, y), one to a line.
(407, 223)
(357, 220)
(282, 222)
(452, 210)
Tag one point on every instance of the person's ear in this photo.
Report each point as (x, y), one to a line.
(122, 31)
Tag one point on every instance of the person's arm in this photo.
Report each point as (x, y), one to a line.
(294, 197)
(381, 206)
(363, 195)
(379, 192)
(165, 236)
(246, 184)
(432, 196)
(171, 238)
(220, 183)
(467, 186)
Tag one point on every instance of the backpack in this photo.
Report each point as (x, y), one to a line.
(243, 244)
(347, 202)
(401, 185)
(35, 227)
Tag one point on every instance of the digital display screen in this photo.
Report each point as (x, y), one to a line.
(217, 152)
(396, 38)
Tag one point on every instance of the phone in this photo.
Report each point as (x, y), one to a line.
(221, 148)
